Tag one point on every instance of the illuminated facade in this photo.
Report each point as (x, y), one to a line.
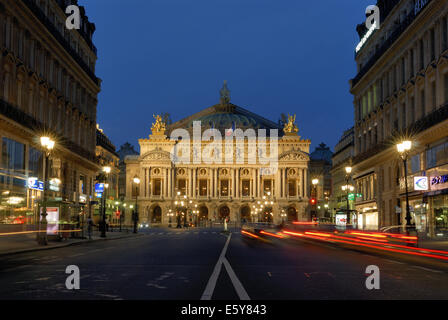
(212, 192)
(342, 157)
(47, 87)
(107, 157)
(401, 92)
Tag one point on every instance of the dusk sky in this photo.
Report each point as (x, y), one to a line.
(289, 56)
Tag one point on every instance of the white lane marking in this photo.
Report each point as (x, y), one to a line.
(208, 292)
(214, 232)
(242, 294)
(427, 269)
(196, 232)
(204, 232)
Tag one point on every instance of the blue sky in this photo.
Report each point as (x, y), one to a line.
(289, 56)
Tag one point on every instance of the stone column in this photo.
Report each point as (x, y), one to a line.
(149, 183)
(169, 182)
(190, 181)
(305, 184)
(194, 183)
(237, 184)
(278, 183)
(216, 192)
(253, 183)
(209, 184)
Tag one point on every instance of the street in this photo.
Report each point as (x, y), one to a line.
(162, 264)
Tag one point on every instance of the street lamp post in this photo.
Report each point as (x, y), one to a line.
(314, 182)
(186, 211)
(135, 213)
(170, 213)
(403, 149)
(106, 171)
(48, 146)
(348, 188)
(268, 203)
(177, 203)
(283, 215)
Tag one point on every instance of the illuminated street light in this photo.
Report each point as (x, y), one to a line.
(313, 211)
(403, 149)
(136, 181)
(47, 144)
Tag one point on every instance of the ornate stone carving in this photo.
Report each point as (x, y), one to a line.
(157, 155)
(293, 156)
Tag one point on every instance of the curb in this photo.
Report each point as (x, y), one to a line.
(65, 245)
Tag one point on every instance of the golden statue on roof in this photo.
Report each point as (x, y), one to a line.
(158, 127)
(290, 126)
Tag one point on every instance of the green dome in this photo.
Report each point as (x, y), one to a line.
(223, 117)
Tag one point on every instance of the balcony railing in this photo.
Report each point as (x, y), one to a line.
(55, 32)
(386, 45)
(29, 122)
(437, 116)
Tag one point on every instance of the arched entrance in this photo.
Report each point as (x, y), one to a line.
(203, 213)
(245, 214)
(291, 214)
(224, 212)
(156, 216)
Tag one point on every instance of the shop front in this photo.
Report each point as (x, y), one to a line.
(439, 209)
(437, 202)
(16, 204)
(419, 217)
(367, 216)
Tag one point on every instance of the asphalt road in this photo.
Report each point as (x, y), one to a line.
(182, 264)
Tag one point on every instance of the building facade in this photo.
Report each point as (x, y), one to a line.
(125, 150)
(47, 87)
(319, 168)
(210, 191)
(342, 157)
(107, 157)
(401, 92)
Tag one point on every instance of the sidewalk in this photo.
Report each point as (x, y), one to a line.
(27, 243)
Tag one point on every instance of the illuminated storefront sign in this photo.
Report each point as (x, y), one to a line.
(54, 185)
(35, 184)
(420, 183)
(439, 180)
(99, 187)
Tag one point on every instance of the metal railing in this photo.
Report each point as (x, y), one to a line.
(54, 31)
(386, 45)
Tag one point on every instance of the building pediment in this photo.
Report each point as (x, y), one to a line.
(156, 154)
(294, 155)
